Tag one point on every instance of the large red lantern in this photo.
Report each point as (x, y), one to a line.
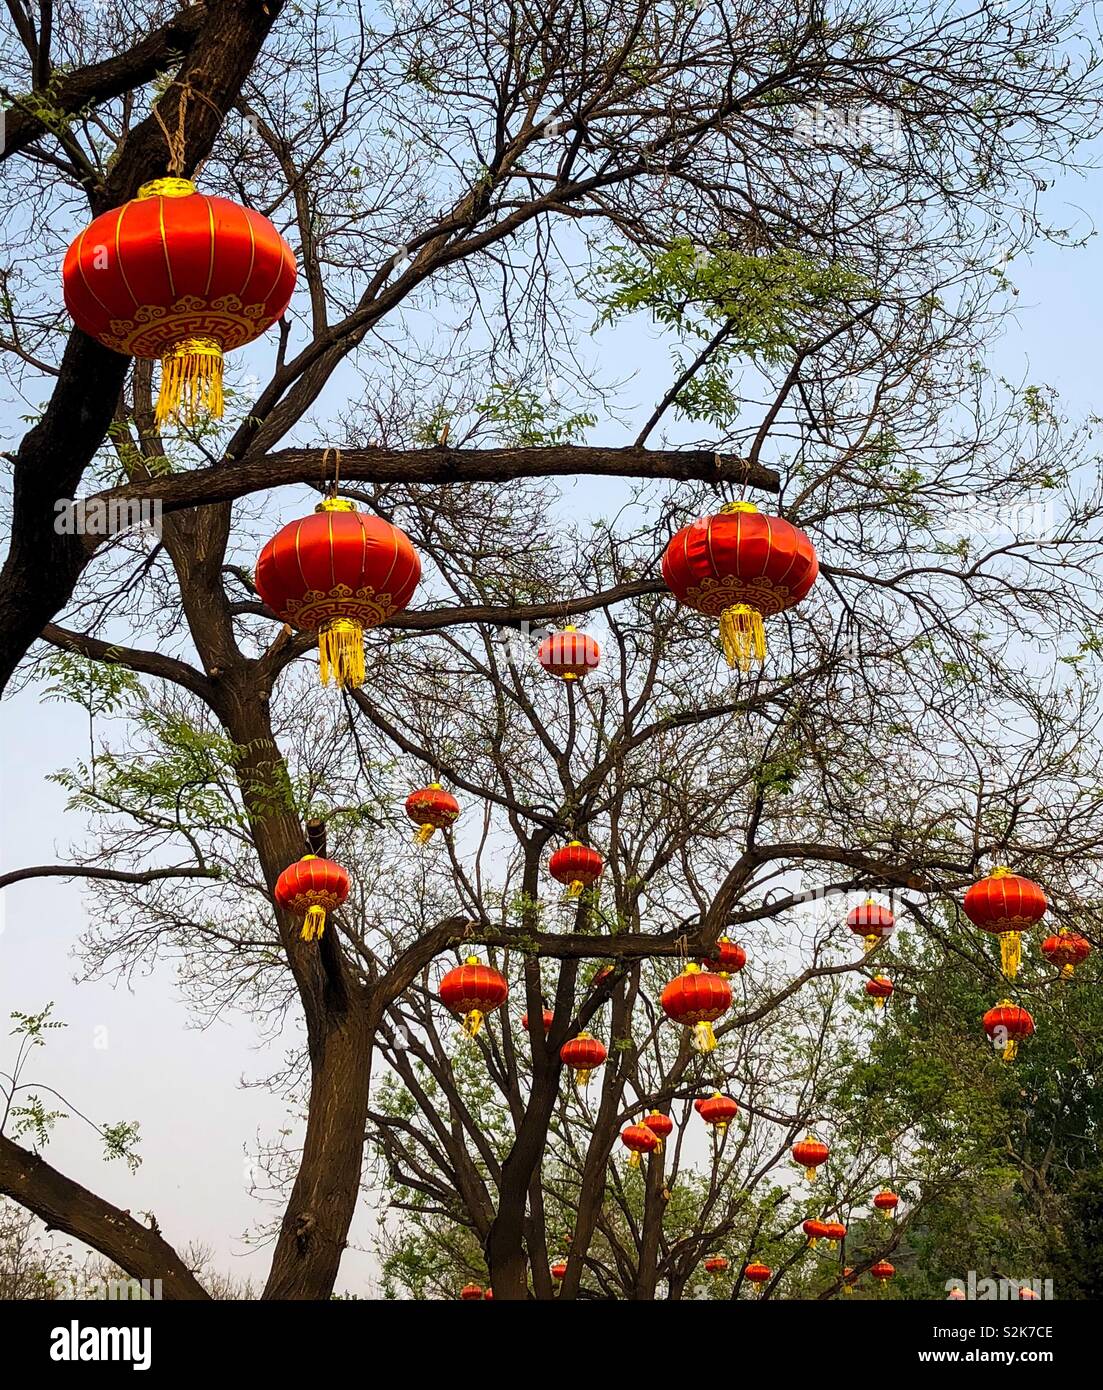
(569, 654)
(431, 809)
(336, 573)
(696, 998)
(583, 1054)
(660, 1126)
(882, 1271)
(1008, 1024)
(740, 566)
(472, 1292)
(181, 276)
(1067, 949)
(727, 958)
(546, 1018)
(638, 1139)
(834, 1232)
(312, 887)
(1005, 905)
(886, 1202)
(577, 866)
(717, 1110)
(758, 1273)
(879, 989)
(871, 921)
(716, 1265)
(810, 1152)
(814, 1230)
(471, 991)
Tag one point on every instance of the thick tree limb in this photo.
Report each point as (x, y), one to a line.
(64, 1205)
(225, 482)
(111, 875)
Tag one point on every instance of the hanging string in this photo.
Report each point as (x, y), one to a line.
(331, 488)
(175, 141)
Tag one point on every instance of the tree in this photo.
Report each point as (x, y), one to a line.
(459, 183)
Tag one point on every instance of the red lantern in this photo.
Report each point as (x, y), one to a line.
(473, 990)
(472, 1292)
(717, 1110)
(696, 998)
(886, 1202)
(489, 1294)
(336, 573)
(576, 866)
(660, 1126)
(1008, 1024)
(848, 1282)
(1027, 1294)
(810, 1152)
(430, 809)
(1005, 905)
(638, 1139)
(758, 1273)
(312, 886)
(569, 654)
(583, 1054)
(956, 1295)
(1066, 949)
(879, 989)
(728, 958)
(559, 1269)
(814, 1230)
(834, 1232)
(716, 1265)
(882, 1271)
(545, 1018)
(740, 566)
(871, 921)
(182, 276)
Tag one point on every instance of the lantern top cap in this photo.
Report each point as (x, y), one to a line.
(730, 508)
(573, 843)
(336, 504)
(472, 960)
(307, 856)
(166, 188)
(1000, 871)
(570, 628)
(692, 969)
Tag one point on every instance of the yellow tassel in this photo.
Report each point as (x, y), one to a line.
(634, 1161)
(1066, 970)
(704, 1039)
(812, 1240)
(1010, 1049)
(424, 833)
(582, 1078)
(575, 888)
(743, 636)
(472, 1022)
(341, 648)
(1011, 952)
(810, 1174)
(191, 382)
(314, 923)
(878, 1003)
(848, 1289)
(871, 941)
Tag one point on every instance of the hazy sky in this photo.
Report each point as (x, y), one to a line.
(129, 1053)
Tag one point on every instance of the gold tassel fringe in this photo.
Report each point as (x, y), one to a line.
(878, 1003)
(341, 649)
(743, 636)
(704, 1039)
(1011, 952)
(472, 1022)
(576, 888)
(424, 833)
(1010, 1049)
(582, 1078)
(314, 923)
(810, 1174)
(191, 382)
(1066, 970)
(634, 1161)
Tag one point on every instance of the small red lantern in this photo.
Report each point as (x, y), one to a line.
(583, 1054)
(569, 654)
(336, 573)
(814, 1230)
(638, 1139)
(312, 886)
(489, 1294)
(871, 921)
(576, 866)
(472, 1292)
(728, 958)
(431, 809)
(182, 276)
(696, 998)
(1005, 905)
(472, 991)
(956, 1296)
(848, 1282)
(1027, 1294)
(716, 1265)
(1066, 949)
(740, 566)
(559, 1269)
(886, 1202)
(882, 1271)
(1008, 1024)
(834, 1232)
(810, 1152)
(546, 1018)
(758, 1273)
(879, 989)
(717, 1110)
(660, 1126)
